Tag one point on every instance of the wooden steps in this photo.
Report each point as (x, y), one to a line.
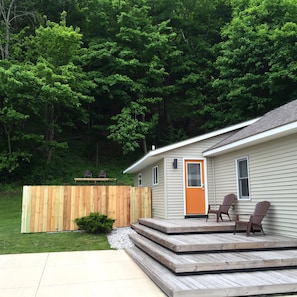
(211, 262)
(216, 285)
(188, 226)
(184, 243)
(184, 263)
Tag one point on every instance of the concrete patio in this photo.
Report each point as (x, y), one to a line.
(90, 273)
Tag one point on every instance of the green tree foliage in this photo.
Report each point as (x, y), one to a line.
(56, 56)
(16, 106)
(154, 68)
(132, 73)
(15, 14)
(42, 95)
(257, 59)
(197, 26)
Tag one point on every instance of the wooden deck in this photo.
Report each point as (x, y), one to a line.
(215, 261)
(257, 283)
(94, 179)
(188, 226)
(193, 257)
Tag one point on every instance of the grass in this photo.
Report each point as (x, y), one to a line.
(13, 242)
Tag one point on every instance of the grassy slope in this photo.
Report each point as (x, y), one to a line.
(12, 241)
(70, 166)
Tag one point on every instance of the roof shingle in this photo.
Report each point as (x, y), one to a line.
(278, 117)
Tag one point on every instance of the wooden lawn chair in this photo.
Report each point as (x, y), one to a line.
(255, 220)
(102, 174)
(223, 208)
(88, 173)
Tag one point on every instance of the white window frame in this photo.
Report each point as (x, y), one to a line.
(155, 176)
(139, 180)
(199, 175)
(239, 179)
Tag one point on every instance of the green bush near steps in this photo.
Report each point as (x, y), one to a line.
(95, 223)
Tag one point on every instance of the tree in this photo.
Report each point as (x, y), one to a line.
(56, 57)
(256, 63)
(130, 72)
(41, 95)
(197, 25)
(17, 105)
(11, 12)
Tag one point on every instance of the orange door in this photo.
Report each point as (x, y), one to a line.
(194, 183)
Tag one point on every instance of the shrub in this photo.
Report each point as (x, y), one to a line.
(95, 223)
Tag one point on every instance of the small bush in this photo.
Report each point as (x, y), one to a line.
(95, 223)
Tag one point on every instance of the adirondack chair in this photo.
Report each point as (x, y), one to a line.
(88, 173)
(255, 220)
(102, 174)
(223, 208)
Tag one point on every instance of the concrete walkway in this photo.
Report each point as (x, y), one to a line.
(74, 274)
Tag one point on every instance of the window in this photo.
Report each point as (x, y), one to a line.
(243, 179)
(139, 179)
(194, 175)
(155, 175)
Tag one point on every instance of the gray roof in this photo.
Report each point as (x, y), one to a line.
(157, 154)
(278, 117)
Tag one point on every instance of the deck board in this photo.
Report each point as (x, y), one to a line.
(183, 243)
(225, 284)
(193, 257)
(188, 225)
(210, 262)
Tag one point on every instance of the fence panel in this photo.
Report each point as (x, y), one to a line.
(54, 208)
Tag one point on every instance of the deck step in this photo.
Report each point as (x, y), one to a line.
(190, 243)
(216, 285)
(219, 262)
(188, 226)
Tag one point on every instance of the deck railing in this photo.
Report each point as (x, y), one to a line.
(54, 208)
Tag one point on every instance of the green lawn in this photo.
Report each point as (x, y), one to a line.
(13, 242)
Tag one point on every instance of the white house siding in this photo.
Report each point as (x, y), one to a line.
(174, 186)
(146, 176)
(158, 193)
(158, 196)
(211, 190)
(222, 179)
(273, 177)
(168, 196)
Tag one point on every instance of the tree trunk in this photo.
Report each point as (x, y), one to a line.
(6, 17)
(8, 131)
(50, 131)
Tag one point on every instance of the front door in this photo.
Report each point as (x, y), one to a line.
(194, 187)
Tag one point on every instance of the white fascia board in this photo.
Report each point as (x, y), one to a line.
(255, 139)
(141, 163)
(203, 137)
(154, 156)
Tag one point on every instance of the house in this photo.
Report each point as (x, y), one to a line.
(256, 160)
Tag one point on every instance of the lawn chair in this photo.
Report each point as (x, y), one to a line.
(102, 174)
(88, 173)
(223, 208)
(255, 221)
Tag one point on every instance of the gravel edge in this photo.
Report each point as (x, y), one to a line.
(118, 238)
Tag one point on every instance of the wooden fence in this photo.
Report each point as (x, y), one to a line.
(54, 208)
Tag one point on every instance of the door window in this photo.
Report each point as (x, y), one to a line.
(194, 175)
